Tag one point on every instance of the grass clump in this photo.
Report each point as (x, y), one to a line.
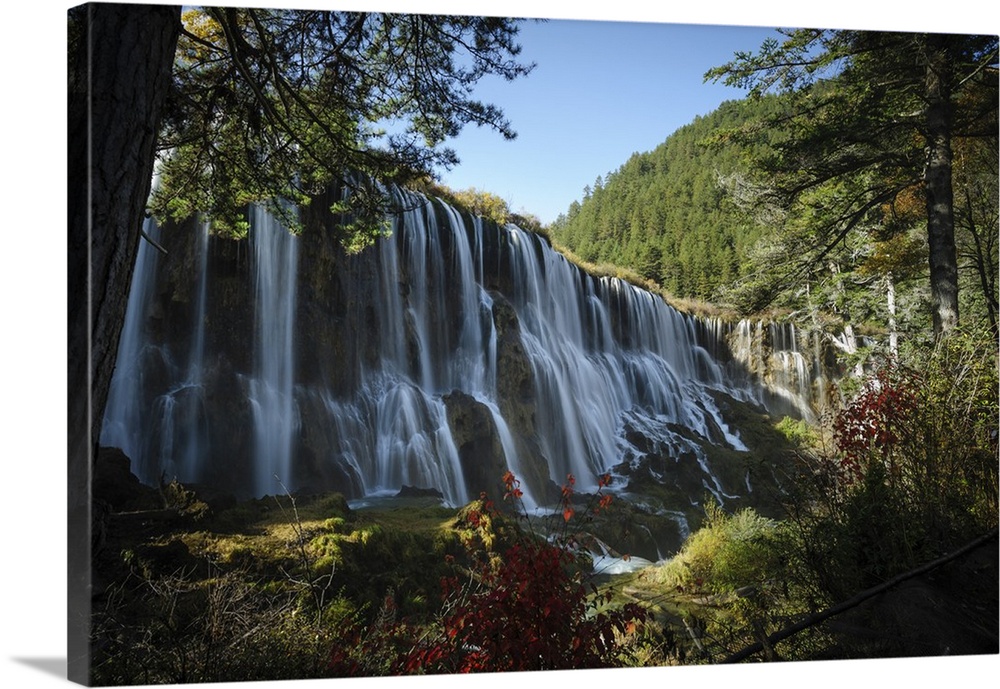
(728, 553)
(735, 581)
(797, 432)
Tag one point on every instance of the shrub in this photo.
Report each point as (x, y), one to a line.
(728, 553)
(798, 433)
(525, 607)
(913, 477)
(528, 613)
(734, 582)
(917, 451)
(914, 471)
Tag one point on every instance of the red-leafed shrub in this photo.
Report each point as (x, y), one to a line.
(880, 424)
(915, 470)
(527, 608)
(531, 612)
(528, 613)
(925, 441)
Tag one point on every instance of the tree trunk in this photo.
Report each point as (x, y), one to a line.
(937, 181)
(120, 61)
(985, 265)
(890, 303)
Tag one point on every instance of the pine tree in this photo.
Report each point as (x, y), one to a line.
(883, 109)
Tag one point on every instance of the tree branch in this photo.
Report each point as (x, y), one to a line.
(860, 598)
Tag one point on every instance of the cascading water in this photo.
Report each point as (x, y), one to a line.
(275, 419)
(191, 426)
(447, 352)
(169, 436)
(124, 424)
(789, 370)
(607, 355)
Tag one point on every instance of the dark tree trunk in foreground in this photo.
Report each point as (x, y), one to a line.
(120, 60)
(937, 180)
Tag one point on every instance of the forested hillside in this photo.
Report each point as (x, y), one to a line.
(664, 213)
(761, 205)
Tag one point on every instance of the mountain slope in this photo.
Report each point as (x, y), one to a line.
(665, 214)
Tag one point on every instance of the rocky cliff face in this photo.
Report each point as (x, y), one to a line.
(438, 358)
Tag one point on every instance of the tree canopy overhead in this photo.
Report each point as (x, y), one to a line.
(872, 122)
(268, 104)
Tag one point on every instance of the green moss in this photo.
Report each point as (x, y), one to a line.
(797, 432)
(334, 523)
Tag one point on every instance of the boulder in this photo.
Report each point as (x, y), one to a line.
(480, 449)
(115, 484)
(415, 492)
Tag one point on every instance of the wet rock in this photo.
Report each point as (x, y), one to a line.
(415, 492)
(480, 449)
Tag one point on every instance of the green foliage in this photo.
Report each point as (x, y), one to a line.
(277, 106)
(520, 603)
(977, 229)
(185, 501)
(484, 204)
(177, 629)
(915, 473)
(666, 214)
(864, 142)
(727, 553)
(308, 588)
(735, 581)
(262, 592)
(913, 477)
(810, 195)
(798, 432)
(924, 440)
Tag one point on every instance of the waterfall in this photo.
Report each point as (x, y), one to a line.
(607, 355)
(305, 367)
(193, 447)
(275, 420)
(786, 366)
(124, 423)
(166, 439)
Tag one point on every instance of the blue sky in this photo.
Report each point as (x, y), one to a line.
(601, 91)
(615, 78)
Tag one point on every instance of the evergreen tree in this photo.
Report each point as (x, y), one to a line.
(282, 104)
(882, 111)
(662, 210)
